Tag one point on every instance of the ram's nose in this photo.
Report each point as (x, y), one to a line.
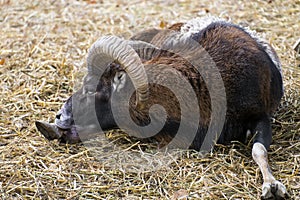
(49, 130)
(58, 115)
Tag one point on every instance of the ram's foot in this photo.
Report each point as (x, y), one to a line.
(275, 190)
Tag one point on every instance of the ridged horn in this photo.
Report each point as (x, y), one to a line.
(145, 51)
(111, 48)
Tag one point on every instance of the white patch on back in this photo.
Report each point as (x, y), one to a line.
(197, 24)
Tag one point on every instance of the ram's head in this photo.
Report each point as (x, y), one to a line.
(113, 64)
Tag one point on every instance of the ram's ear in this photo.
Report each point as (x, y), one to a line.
(119, 81)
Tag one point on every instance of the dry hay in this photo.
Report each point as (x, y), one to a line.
(43, 49)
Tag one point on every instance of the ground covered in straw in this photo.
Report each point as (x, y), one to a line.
(43, 46)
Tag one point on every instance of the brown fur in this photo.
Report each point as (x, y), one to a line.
(246, 70)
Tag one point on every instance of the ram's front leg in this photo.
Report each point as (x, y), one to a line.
(271, 189)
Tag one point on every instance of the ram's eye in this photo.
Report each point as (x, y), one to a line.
(89, 90)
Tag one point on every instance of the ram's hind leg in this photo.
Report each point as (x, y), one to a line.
(271, 189)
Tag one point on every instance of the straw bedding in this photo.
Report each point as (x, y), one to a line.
(43, 46)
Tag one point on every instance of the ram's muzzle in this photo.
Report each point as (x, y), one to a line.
(63, 129)
(52, 132)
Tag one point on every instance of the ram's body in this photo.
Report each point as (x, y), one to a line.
(250, 70)
(251, 76)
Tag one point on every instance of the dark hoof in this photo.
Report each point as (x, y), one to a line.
(50, 131)
(274, 191)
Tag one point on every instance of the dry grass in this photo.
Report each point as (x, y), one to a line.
(43, 46)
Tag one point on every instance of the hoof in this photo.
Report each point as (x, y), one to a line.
(49, 131)
(275, 190)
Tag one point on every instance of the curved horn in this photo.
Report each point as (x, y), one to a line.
(111, 48)
(146, 51)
